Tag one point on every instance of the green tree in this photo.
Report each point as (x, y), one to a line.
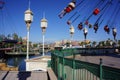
(108, 42)
(101, 44)
(119, 43)
(35, 45)
(2, 36)
(68, 44)
(15, 36)
(20, 39)
(8, 36)
(81, 43)
(94, 43)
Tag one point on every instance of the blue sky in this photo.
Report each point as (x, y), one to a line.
(57, 28)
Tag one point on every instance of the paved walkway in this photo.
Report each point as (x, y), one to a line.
(16, 75)
(108, 60)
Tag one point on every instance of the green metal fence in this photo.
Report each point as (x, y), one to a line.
(71, 69)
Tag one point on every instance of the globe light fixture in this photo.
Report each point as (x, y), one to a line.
(43, 27)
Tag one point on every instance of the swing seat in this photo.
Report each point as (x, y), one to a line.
(80, 26)
(95, 28)
(72, 5)
(114, 33)
(90, 25)
(106, 28)
(86, 22)
(1, 4)
(96, 11)
(68, 9)
(96, 25)
(68, 22)
(114, 30)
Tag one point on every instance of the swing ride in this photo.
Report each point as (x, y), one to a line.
(4, 23)
(1, 7)
(2, 4)
(103, 13)
(68, 9)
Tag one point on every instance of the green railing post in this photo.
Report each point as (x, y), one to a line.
(100, 68)
(63, 67)
(53, 62)
(73, 65)
(58, 68)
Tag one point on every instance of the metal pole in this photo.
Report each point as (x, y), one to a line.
(27, 56)
(101, 69)
(85, 38)
(63, 75)
(73, 67)
(71, 40)
(43, 44)
(58, 68)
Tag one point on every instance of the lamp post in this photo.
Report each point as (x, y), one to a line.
(85, 34)
(28, 20)
(43, 27)
(71, 33)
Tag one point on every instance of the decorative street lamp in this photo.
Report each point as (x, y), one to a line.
(71, 32)
(28, 20)
(85, 34)
(43, 27)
